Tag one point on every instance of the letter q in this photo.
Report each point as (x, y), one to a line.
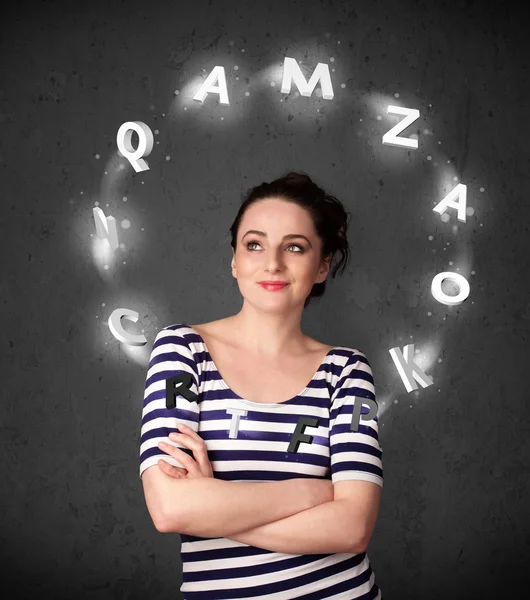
(145, 144)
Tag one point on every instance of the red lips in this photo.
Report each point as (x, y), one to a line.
(272, 286)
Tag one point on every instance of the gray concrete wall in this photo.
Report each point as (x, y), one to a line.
(454, 518)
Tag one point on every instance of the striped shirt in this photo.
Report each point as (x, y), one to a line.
(253, 447)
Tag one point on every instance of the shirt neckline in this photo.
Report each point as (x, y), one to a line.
(238, 397)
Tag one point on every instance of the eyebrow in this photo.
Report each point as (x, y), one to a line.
(287, 236)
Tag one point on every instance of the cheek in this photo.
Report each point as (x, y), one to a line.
(247, 267)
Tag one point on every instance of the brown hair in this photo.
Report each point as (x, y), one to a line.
(328, 213)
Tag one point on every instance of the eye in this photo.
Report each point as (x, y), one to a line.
(302, 249)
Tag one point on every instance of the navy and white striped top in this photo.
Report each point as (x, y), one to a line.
(255, 450)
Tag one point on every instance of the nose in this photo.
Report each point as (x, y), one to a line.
(273, 261)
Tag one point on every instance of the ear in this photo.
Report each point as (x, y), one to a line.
(233, 264)
(324, 269)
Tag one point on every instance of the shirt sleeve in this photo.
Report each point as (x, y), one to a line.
(354, 454)
(170, 356)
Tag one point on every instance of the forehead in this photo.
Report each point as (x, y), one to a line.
(274, 214)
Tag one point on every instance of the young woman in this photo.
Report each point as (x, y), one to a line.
(272, 487)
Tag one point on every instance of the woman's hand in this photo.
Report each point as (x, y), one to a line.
(200, 467)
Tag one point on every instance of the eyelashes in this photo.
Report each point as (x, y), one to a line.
(302, 249)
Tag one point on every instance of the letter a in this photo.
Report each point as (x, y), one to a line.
(450, 201)
(217, 74)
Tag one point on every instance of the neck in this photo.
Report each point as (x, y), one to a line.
(269, 335)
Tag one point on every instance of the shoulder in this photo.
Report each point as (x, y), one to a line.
(213, 330)
(175, 330)
(317, 347)
(347, 362)
(216, 332)
(354, 369)
(350, 357)
(184, 329)
(212, 327)
(181, 334)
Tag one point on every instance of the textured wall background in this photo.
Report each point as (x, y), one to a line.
(454, 519)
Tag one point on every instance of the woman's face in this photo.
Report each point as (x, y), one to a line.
(273, 256)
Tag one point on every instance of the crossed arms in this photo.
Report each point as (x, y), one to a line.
(296, 516)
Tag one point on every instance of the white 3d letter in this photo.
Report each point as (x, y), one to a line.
(234, 423)
(119, 333)
(217, 74)
(106, 227)
(391, 138)
(436, 288)
(145, 144)
(409, 371)
(292, 72)
(460, 192)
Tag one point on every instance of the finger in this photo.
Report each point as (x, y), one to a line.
(186, 440)
(171, 470)
(189, 431)
(197, 446)
(184, 458)
(166, 465)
